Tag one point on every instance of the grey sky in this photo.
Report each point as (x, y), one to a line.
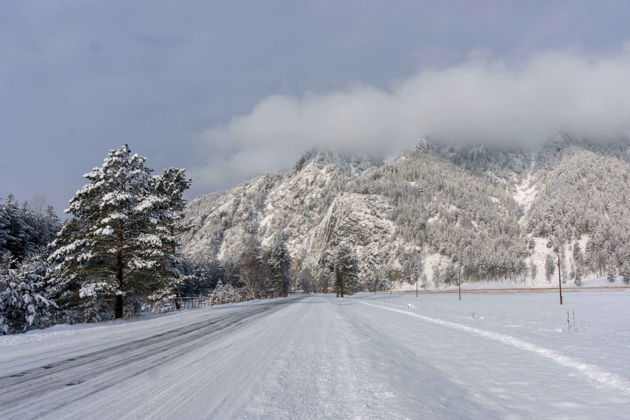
(80, 78)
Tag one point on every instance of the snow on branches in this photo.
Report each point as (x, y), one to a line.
(122, 239)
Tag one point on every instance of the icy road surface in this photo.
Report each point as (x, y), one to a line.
(488, 356)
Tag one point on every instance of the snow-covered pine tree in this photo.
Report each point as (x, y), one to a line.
(23, 303)
(169, 187)
(112, 249)
(65, 277)
(18, 233)
(279, 267)
(4, 228)
(24, 231)
(346, 270)
(46, 225)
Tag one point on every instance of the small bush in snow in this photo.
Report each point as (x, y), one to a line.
(225, 293)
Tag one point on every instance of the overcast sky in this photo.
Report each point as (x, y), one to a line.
(228, 89)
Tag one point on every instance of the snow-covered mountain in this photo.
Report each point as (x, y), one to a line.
(479, 213)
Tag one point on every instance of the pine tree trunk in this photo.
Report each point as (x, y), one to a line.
(118, 307)
(173, 250)
(341, 284)
(118, 303)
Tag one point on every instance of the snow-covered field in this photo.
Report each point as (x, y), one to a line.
(367, 356)
(590, 281)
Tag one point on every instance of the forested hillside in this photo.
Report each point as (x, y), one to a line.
(436, 214)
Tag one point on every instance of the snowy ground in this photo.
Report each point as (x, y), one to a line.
(488, 356)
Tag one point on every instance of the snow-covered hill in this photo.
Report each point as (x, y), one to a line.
(436, 213)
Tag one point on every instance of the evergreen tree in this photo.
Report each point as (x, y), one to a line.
(17, 232)
(550, 267)
(375, 281)
(578, 276)
(200, 277)
(279, 267)
(23, 302)
(346, 270)
(115, 246)
(24, 231)
(578, 257)
(306, 281)
(323, 278)
(169, 187)
(533, 271)
(625, 269)
(252, 271)
(4, 228)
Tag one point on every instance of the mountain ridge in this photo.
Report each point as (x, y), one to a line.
(473, 211)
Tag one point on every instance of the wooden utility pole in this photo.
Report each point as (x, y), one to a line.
(559, 279)
(416, 287)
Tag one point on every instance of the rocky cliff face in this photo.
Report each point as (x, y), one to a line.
(436, 212)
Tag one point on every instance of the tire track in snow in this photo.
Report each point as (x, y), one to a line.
(593, 372)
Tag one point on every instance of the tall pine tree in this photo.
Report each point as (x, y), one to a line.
(119, 243)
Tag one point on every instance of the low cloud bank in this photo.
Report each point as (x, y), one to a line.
(481, 100)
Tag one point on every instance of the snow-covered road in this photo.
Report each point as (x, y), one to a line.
(494, 356)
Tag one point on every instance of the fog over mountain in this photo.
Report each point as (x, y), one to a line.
(483, 100)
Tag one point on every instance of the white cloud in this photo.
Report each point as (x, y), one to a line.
(480, 100)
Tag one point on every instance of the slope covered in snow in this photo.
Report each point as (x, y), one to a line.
(436, 213)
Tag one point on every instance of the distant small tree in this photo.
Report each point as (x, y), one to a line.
(550, 267)
(533, 270)
(375, 281)
(625, 271)
(252, 271)
(280, 267)
(346, 270)
(306, 280)
(578, 276)
(323, 276)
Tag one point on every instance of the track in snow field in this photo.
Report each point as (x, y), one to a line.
(78, 377)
